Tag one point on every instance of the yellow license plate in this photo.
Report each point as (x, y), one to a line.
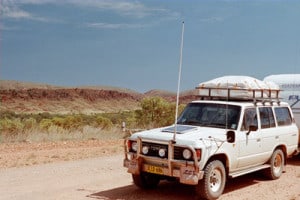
(154, 169)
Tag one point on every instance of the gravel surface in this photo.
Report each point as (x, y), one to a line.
(102, 176)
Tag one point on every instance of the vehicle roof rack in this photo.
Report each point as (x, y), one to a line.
(239, 94)
(239, 88)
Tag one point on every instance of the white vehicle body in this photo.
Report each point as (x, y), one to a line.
(215, 138)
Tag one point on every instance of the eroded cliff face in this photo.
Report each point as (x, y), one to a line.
(67, 100)
(66, 94)
(37, 98)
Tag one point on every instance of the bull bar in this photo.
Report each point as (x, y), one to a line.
(187, 172)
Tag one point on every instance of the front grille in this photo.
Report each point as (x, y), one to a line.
(178, 153)
(154, 148)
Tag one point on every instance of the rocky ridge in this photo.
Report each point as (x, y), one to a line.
(23, 97)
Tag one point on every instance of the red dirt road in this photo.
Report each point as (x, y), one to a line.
(105, 178)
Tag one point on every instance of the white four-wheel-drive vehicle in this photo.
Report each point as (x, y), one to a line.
(238, 126)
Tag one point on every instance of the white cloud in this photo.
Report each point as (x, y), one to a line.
(134, 9)
(130, 9)
(10, 9)
(113, 26)
(121, 7)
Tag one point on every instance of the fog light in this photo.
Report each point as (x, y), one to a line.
(145, 149)
(162, 153)
(187, 154)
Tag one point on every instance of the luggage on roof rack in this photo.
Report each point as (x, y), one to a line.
(238, 88)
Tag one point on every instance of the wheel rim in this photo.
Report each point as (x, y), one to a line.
(277, 163)
(215, 180)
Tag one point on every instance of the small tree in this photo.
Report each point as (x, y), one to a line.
(156, 112)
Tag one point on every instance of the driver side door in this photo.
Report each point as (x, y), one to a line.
(249, 143)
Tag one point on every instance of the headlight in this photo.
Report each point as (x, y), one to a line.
(187, 154)
(134, 146)
(145, 150)
(162, 153)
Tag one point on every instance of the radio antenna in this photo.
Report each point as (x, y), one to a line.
(178, 83)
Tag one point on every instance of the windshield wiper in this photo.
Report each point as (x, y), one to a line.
(190, 122)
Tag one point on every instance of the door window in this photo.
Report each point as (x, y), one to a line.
(283, 116)
(266, 117)
(250, 119)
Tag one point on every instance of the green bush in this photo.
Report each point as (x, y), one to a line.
(118, 118)
(103, 122)
(13, 126)
(156, 112)
(45, 124)
(58, 121)
(72, 122)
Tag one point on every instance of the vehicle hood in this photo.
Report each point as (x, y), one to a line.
(185, 134)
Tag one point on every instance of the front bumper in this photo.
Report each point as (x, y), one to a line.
(186, 171)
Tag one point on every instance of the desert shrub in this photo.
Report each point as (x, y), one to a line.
(103, 122)
(40, 116)
(67, 122)
(12, 126)
(8, 114)
(113, 117)
(58, 121)
(118, 118)
(90, 120)
(29, 123)
(170, 113)
(156, 112)
(130, 120)
(45, 124)
(153, 113)
(72, 122)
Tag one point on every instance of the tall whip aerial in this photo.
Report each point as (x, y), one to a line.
(178, 83)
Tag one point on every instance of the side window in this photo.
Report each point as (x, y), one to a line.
(283, 116)
(266, 117)
(250, 118)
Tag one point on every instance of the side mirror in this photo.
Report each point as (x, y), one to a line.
(252, 128)
(230, 136)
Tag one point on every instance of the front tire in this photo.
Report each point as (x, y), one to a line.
(213, 183)
(146, 180)
(277, 165)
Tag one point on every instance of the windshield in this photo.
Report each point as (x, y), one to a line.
(210, 115)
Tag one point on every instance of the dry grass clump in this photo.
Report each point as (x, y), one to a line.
(46, 127)
(56, 133)
(154, 112)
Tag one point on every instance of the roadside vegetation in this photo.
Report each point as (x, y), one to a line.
(17, 127)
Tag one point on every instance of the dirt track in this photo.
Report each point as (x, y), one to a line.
(105, 178)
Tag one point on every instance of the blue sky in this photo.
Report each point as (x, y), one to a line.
(136, 44)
